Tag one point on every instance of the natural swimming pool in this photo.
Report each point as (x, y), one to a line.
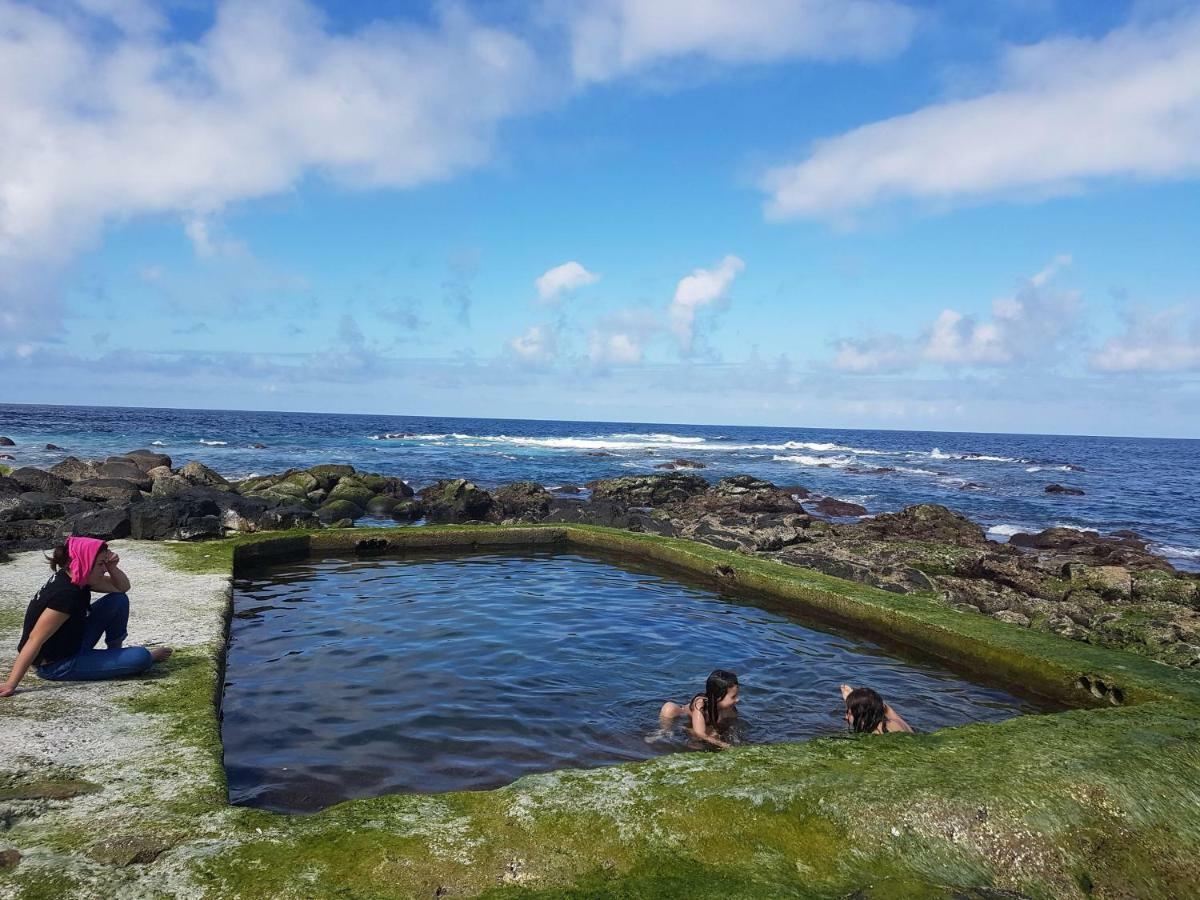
(431, 672)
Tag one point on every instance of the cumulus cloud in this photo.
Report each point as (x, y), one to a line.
(614, 37)
(564, 279)
(1028, 326)
(539, 344)
(704, 287)
(614, 348)
(1064, 114)
(620, 338)
(98, 128)
(1152, 342)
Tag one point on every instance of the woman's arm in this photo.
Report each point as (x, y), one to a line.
(700, 728)
(48, 622)
(110, 580)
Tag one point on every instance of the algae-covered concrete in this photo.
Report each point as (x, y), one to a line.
(117, 789)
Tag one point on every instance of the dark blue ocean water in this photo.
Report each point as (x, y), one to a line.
(1151, 486)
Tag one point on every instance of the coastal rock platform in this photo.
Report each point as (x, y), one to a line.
(117, 789)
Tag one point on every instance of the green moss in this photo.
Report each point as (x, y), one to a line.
(46, 788)
(206, 558)
(5, 470)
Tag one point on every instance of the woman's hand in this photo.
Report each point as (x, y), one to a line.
(112, 560)
(7, 690)
(846, 689)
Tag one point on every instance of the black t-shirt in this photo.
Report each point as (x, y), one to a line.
(58, 594)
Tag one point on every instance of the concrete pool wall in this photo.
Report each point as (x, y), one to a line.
(1096, 801)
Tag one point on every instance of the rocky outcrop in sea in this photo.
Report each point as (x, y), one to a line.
(1104, 589)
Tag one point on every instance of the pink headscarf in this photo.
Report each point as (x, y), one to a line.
(83, 552)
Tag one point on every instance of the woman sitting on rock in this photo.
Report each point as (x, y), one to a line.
(62, 625)
(866, 712)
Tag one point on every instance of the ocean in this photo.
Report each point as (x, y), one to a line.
(1147, 485)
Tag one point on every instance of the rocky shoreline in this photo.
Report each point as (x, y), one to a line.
(1107, 590)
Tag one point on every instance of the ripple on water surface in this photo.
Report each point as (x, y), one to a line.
(353, 678)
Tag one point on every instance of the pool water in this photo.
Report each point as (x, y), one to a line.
(354, 678)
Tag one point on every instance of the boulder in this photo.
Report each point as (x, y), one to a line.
(253, 485)
(738, 495)
(382, 505)
(831, 506)
(31, 505)
(200, 474)
(28, 532)
(119, 467)
(349, 488)
(925, 522)
(53, 447)
(385, 484)
(648, 490)
(32, 479)
(160, 472)
(327, 475)
(107, 524)
(1063, 489)
(335, 510)
(7, 442)
(455, 500)
(181, 518)
(1114, 582)
(681, 464)
(9, 488)
(525, 500)
(72, 469)
(407, 511)
(170, 486)
(148, 459)
(106, 490)
(281, 518)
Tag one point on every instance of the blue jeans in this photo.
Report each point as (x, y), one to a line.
(108, 616)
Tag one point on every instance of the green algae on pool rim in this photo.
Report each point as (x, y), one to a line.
(1090, 802)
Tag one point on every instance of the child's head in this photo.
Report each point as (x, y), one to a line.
(721, 692)
(865, 710)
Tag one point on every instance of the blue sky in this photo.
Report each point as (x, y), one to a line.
(882, 214)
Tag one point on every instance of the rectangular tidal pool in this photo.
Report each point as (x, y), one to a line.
(426, 673)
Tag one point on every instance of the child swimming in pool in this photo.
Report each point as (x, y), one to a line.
(866, 712)
(707, 711)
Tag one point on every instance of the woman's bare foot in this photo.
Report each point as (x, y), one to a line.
(158, 654)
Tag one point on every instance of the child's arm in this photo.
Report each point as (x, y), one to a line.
(700, 728)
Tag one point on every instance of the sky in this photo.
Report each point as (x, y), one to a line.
(822, 213)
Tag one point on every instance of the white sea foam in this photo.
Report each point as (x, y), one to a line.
(626, 441)
(660, 438)
(1007, 531)
(158, 443)
(1177, 552)
(833, 462)
(909, 470)
(214, 443)
(936, 453)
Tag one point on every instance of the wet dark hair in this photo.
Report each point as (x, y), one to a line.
(867, 710)
(715, 689)
(60, 556)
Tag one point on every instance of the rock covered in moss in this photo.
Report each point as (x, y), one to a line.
(648, 490)
(525, 500)
(455, 500)
(336, 510)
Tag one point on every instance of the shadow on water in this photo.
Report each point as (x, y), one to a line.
(427, 673)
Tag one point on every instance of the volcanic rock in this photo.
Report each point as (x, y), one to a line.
(1063, 489)
(831, 506)
(32, 479)
(648, 490)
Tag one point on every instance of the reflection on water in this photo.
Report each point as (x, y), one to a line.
(353, 678)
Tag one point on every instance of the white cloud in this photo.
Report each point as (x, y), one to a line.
(1152, 342)
(1066, 112)
(1031, 325)
(614, 37)
(702, 288)
(539, 344)
(614, 348)
(98, 128)
(570, 276)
